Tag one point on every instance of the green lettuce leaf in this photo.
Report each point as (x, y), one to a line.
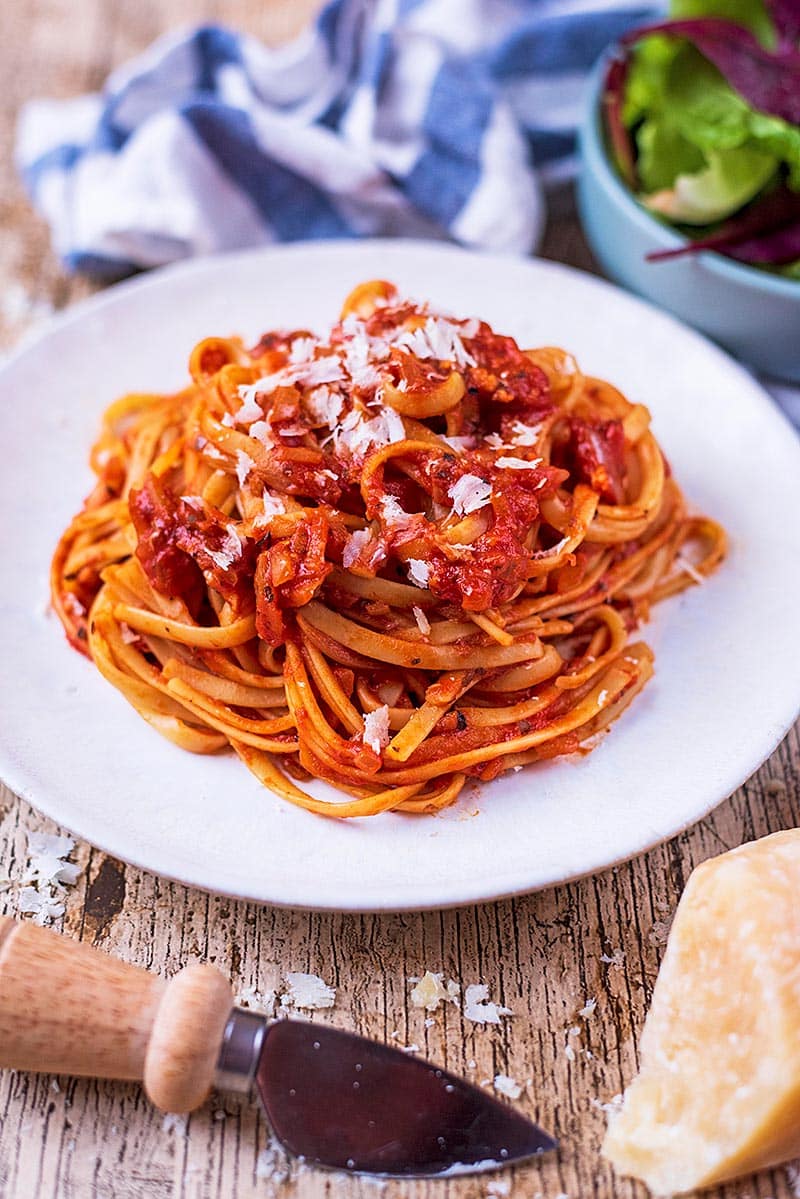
(702, 151)
(726, 184)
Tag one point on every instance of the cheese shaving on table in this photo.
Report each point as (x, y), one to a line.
(273, 1163)
(479, 1008)
(498, 1189)
(588, 1008)
(376, 729)
(254, 1000)
(46, 852)
(430, 991)
(469, 494)
(504, 1085)
(308, 991)
(174, 1124)
(42, 893)
(612, 1107)
(793, 1177)
(40, 903)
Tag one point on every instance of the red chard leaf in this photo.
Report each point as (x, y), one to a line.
(769, 80)
(769, 249)
(768, 231)
(620, 139)
(786, 17)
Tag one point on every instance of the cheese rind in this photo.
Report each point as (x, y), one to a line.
(718, 1094)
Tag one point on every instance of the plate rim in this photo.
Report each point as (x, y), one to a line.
(16, 779)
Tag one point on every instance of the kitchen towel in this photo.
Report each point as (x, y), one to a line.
(432, 118)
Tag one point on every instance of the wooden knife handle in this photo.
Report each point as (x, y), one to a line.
(66, 1008)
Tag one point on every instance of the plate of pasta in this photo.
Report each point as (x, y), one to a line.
(399, 576)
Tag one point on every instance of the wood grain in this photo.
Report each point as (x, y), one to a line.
(542, 955)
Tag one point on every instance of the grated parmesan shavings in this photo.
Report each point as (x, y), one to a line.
(376, 729)
(419, 572)
(244, 465)
(519, 463)
(355, 543)
(423, 624)
(525, 434)
(469, 494)
(303, 349)
(273, 506)
(438, 339)
(262, 431)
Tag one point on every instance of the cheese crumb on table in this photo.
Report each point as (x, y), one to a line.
(173, 1124)
(499, 1188)
(272, 1163)
(46, 876)
(254, 1000)
(430, 991)
(505, 1085)
(479, 1008)
(308, 991)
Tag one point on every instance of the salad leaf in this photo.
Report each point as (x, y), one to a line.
(695, 124)
(766, 216)
(731, 179)
(649, 64)
(754, 15)
(786, 15)
(664, 154)
(613, 92)
(773, 249)
(770, 81)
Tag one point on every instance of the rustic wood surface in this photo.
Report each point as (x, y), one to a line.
(543, 955)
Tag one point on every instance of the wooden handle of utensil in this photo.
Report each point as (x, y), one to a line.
(66, 1008)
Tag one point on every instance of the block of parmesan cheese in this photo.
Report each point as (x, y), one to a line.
(718, 1093)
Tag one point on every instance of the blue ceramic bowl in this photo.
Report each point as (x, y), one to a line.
(750, 312)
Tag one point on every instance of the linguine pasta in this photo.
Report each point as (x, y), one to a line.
(395, 558)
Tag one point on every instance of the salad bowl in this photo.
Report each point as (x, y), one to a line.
(750, 312)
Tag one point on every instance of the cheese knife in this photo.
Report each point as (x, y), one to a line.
(332, 1098)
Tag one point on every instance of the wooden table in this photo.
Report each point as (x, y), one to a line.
(543, 955)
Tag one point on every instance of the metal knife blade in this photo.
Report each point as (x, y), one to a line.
(342, 1101)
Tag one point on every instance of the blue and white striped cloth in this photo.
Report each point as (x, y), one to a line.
(387, 117)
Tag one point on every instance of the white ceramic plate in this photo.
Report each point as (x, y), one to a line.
(727, 683)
